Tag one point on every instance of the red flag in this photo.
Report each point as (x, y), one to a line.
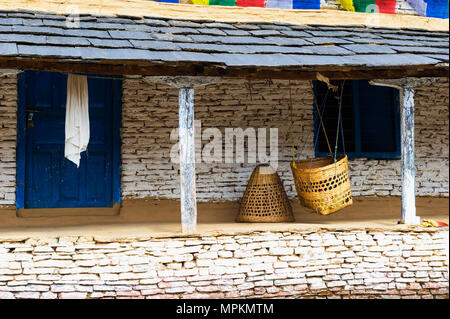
(386, 6)
(250, 3)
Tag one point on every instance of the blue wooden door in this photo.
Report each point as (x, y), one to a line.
(51, 180)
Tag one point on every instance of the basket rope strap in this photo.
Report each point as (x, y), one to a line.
(321, 112)
(320, 117)
(338, 121)
(292, 122)
(342, 136)
(316, 140)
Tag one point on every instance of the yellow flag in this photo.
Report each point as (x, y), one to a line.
(347, 5)
(199, 2)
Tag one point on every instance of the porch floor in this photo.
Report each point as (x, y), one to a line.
(161, 218)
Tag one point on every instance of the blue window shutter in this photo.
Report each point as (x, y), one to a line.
(330, 117)
(371, 120)
(377, 110)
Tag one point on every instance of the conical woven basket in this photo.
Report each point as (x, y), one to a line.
(322, 185)
(265, 200)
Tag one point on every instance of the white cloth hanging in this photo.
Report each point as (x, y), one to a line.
(77, 118)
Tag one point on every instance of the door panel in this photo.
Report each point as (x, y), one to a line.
(69, 187)
(52, 181)
(42, 176)
(96, 191)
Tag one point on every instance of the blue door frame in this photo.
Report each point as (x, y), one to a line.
(23, 141)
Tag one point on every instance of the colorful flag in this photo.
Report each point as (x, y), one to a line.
(229, 3)
(437, 8)
(199, 2)
(365, 6)
(372, 6)
(280, 4)
(420, 6)
(386, 6)
(168, 1)
(347, 5)
(430, 8)
(306, 4)
(250, 3)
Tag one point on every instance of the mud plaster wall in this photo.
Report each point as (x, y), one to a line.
(329, 264)
(150, 114)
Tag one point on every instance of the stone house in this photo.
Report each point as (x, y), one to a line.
(245, 72)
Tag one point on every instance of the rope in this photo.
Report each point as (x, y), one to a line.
(339, 121)
(292, 122)
(321, 113)
(317, 133)
(309, 133)
(342, 136)
(320, 117)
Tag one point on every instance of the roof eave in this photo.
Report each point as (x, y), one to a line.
(158, 68)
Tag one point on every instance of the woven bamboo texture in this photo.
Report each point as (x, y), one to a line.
(323, 186)
(265, 200)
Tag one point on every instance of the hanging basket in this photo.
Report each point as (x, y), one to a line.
(322, 185)
(265, 200)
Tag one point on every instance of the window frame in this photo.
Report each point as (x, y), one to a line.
(357, 128)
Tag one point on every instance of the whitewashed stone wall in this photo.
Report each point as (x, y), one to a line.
(432, 144)
(328, 264)
(8, 132)
(383, 177)
(150, 113)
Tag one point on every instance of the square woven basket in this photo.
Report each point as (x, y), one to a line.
(322, 185)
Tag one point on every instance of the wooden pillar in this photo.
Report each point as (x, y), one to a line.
(408, 168)
(188, 200)
(187, 159)
(406, 92)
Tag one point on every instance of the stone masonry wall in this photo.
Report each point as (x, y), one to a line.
(150, 114)
(383, 177)
(8, 132)
(322, 264)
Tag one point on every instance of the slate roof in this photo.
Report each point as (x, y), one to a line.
(33, 35)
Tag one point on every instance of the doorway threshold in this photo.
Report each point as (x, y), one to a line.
(64, 212)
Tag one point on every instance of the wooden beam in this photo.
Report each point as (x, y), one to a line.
(183, 81)
(9, 71)
(149, 68)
